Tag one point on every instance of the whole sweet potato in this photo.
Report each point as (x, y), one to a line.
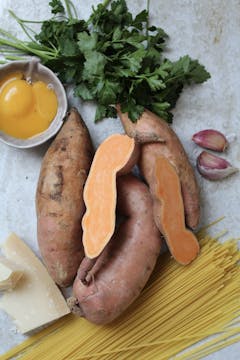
(104, 288)
(59, 199)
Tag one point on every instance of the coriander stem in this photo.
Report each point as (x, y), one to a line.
(106, 3)
(20, 45)
(74, 9)
(68, 8)
(10, 57)
(24, 28)
(147, 23)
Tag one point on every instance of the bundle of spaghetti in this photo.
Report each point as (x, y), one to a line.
(179, 307)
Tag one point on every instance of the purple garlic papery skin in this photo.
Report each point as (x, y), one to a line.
(213, 167)
(211, 139)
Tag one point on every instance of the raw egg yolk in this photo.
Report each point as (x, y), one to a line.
(25, 109)
(10, 77)
(16, 98)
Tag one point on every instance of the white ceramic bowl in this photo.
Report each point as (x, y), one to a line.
(34, 70)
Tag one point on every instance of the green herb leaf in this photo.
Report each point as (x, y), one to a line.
(101, 112)
(94, 64)
(134, 110)
(155, 83)
(57, 6)
(83, 91)
(108, 93)
(87, 42)
(133, 60)
(140, 19)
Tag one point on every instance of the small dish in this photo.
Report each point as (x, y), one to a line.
(34, 70)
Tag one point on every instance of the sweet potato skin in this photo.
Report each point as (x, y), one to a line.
(158, 139)
(59, 199)
(121, 271)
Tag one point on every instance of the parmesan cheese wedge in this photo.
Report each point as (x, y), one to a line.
(36, 300)
(9, 274)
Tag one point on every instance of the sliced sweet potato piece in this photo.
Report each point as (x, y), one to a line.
(182, 242)
(115, 156)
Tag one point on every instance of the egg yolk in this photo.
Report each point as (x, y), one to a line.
(25, 109)
(10, 77)
(16, 98)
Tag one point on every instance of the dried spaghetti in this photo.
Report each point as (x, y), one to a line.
(179, 307)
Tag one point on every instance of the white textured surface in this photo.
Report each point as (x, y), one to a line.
(208, 30)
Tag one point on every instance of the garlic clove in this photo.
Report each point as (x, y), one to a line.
(213, 167)
(211, 139)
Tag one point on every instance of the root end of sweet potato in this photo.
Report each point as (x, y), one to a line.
(74, 307)
(140, 132)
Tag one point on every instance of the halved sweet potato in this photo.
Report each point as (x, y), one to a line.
(169, 214)
(115, 156)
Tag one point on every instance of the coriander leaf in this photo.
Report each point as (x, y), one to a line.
(198, 72)
(181, 65)
(123, 72)
(134, 111)
(94, 64)
(119, 11)
(117, 33)
(186, 70)
(100, 113)
(57, 6)
(68, 47)
(70, 74)
(161, 106)
(133, 60)
(157, 40)
(163, 114)
(108, 93)
(111, 112)
(83, 91)
(103, 111)
(136, 40)
(155, 83)
(142, 17)
(87, 41)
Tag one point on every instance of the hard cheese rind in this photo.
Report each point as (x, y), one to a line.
(36, 300)
(9, 274)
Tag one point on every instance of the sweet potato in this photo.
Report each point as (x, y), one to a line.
(59, 199)
(115, 156)
(105, 288)
(158, 139)
(182, 242)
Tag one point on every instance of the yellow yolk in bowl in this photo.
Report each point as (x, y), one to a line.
(25, 109)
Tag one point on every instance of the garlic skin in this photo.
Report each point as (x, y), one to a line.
(213, 167)
(211, 139)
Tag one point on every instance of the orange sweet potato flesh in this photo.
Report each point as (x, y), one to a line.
(159, 139)
(104, 288)
(168, 202)
(59, 199)
(115, 156)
